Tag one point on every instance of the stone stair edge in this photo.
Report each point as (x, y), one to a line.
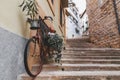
(76, 73)
(100, 65)
(93, 49)
(84, 37)
(78, 38)
(92, 59)
(87, 64)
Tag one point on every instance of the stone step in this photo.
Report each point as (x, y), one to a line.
(80, 61)
(74, 75)
(78, 42)
(84, 39)
(93, 49)
(78, 67)
(91, 52)
(89, 57)
(52, 67)
(48, 67)
(80, 45)
(83, 43)
(90, 67)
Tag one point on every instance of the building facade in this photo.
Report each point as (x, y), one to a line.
(14, 32)
(104, 22)
(72, 21)
(84, 23)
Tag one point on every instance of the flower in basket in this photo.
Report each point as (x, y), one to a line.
(55, 42)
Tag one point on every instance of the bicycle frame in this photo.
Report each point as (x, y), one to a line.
(42, 30)
(38, 48)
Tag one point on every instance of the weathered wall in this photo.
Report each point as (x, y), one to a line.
(103, 28)
(11, 55)
(12, 19)
(46, 10)
(118, 9)
(70, 29)
(14, 32)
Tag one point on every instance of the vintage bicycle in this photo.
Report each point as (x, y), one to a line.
(41, 47)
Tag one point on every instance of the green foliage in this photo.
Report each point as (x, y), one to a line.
(56, 42)
(30, 8)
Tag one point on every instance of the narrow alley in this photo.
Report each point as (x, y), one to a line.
(82, 60)
(60, 40)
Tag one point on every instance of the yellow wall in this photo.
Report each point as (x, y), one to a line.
(11, 17)
(13, 20)
(57, 16)
(48, 12)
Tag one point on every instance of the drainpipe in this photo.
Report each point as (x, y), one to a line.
(116, 15)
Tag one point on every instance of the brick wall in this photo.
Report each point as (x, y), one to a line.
(118, 3)
(118, 8)
(103, 27)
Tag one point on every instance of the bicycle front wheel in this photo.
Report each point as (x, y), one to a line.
(33, 57)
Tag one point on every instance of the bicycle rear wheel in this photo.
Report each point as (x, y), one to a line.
(33, 57)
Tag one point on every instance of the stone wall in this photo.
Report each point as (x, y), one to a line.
(118, 3)
(118, 8)
(103, 27)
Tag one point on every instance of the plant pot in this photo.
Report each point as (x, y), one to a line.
(34, 24)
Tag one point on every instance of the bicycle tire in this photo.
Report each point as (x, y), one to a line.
(30, 57)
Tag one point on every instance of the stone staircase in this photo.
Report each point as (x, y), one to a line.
(82, 61)
(83, 42)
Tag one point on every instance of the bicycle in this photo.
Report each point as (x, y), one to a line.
(37, 48)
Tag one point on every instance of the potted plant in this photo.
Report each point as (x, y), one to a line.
(31, 10)
(55, 42)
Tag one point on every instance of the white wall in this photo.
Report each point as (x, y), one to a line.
(71, 29)
(82, 22)
(71, 26)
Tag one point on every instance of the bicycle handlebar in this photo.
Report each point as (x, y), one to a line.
(45, 18)
(48, 17)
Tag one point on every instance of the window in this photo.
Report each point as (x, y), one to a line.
(77, 30)
(69, 5)
(74, 11)
(73, 20)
